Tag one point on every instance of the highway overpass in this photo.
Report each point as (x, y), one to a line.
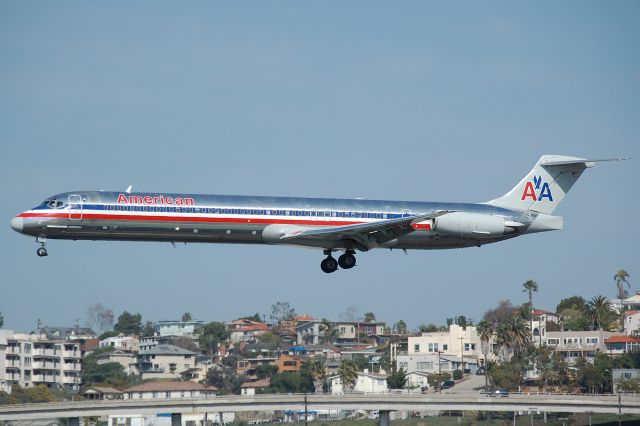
(382, 402)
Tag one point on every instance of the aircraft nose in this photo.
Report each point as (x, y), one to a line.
(17, 223)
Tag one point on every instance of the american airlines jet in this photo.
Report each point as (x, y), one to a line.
(333, 225)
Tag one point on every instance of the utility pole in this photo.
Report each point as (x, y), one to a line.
(439, 374)
(461, 355)
(306, 411)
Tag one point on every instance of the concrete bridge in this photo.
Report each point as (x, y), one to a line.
(384, 403)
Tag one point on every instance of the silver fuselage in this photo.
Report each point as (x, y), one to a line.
(191, 218)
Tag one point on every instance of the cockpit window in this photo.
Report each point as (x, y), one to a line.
(54, 204)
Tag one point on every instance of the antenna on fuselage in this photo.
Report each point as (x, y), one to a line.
(128, 190)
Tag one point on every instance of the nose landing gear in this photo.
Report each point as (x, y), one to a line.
(42, 251)
(345, 261)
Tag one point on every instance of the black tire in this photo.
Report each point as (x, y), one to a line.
(42, 252)
(347, 261)
(329, 265)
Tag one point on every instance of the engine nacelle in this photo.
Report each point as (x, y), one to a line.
(473, 225)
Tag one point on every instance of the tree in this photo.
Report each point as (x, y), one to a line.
(397, 379)
(348, 373)
(400, 327)
(1, 320)
(255, 317)
(280, 312)
(318, 374)
(503, 312)
(186, 317)
(108, 334)
(270, 339)
(429, 328)
(369, 317)
(129, 324)
(577, 303)
(599, 311)
(99, 317)
(148, 330)
(485, 330)
(350, 314)
(621, 279)
(512, 335)
(266, 370)
(574, 320)
(330, 331)
(530, 287)
(185, 343)
(212, 334)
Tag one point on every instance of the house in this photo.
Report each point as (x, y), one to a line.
(459, 348)
(631, 322)
(326, 350)
(161, 390)
(250, 388)
(309, 332)
(616, 345)
(366, 383)
(619, 374)
(539, 322)
(68, 333)
(289, 363)
(121, 343)
(349, 332)
(189, 329)
(248, 366)
(100, 392)
(573, 345)
(128, 360)
(632, 302)
(165, 362)
(417, 379)
(244, 330)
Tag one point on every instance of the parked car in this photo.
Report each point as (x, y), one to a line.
(498, 393)
(447, 384)
(480, 371)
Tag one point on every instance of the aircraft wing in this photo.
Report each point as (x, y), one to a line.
(363, 236)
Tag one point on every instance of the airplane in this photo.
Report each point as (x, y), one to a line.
(333, 225)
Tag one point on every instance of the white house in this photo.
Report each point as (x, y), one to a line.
(366, 383)
(250, 388)
(417, 379)
(161, 390)
(631, 321)
(456, 349)
(178, 328)
(121, 343)
(165, 362)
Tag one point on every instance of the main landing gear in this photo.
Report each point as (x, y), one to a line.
(42, 251)
(345, 261)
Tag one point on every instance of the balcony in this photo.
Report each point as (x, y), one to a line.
(46, 365)
(71, 354)
(44, 378)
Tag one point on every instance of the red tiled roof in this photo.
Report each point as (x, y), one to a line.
(622, 339)
(170, 386)
(630, 312)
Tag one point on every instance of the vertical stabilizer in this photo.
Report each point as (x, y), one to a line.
(545, 186)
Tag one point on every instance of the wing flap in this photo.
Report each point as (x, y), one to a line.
(364, 235)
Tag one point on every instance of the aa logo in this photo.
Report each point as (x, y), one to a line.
(537, 186)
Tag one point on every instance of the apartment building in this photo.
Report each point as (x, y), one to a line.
(573, 345)
(459, 348)
(32, 359)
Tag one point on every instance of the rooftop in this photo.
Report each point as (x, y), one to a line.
(166, 350)
(170, 386)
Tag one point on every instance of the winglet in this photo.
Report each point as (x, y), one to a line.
(128, 190)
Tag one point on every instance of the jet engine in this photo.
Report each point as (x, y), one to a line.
(474, 225)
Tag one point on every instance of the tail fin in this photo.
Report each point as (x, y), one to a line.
(545, 186)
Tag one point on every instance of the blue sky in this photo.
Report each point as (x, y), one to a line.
(411, 100)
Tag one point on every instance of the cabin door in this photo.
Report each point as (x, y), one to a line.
(75, 207)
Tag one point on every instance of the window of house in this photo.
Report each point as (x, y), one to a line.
(416, 348)
(445, 347)
(467, 346)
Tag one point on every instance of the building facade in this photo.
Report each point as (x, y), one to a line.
(32, 359)
(573, 345)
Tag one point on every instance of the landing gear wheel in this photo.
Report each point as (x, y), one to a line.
(347, 261)
(329, 265)
(42, 252)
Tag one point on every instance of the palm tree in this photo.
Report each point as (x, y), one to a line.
(621, 279)
(485, 330)
(599, 310)
(331, 333)
(530, 287)
(318, 374)
(369, 317)
(348, 373)
(512, 336)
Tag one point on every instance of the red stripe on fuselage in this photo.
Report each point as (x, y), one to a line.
(196, 219)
